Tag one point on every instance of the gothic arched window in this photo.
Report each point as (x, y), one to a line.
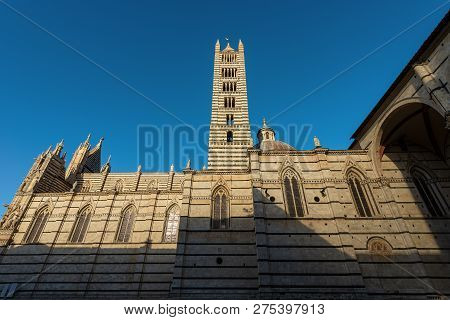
(220, 209)
(126, 224)
(379, 246)
(428, 192)
(81, 225)
(37, 225)
(361, 195)
(171, 224)
(292, 194)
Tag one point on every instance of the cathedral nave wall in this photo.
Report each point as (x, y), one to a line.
(217, 261)
(99, 264)
(332, 230)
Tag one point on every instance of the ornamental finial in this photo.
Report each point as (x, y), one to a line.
(317, 142)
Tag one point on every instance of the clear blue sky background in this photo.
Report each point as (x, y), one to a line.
(165, 50)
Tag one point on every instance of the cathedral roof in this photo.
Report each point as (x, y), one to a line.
(273, 145)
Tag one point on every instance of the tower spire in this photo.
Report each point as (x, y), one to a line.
(59, 147)
(86, 142)
(99, 144)
(106, 168)
(217, 45)
(81, 160)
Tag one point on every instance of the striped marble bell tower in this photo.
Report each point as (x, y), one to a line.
(229, 135)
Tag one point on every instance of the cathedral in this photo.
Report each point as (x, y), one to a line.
(263, 220)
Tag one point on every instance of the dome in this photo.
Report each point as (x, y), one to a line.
(267, 142)
(273, 145)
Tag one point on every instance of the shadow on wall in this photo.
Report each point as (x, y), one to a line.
(425, 250)
(414, 145)
(275, 257)
(114, 271)
(350, 258)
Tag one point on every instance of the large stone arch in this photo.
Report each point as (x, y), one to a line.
(413, 120)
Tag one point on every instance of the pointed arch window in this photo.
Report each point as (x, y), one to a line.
(37, 225)
(220, 209)
(428, 192)
(292, 194)
(81, 224)
(361, 195)
(171, 224)
(126, 224)
(379, 246)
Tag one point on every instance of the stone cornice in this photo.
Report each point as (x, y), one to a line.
(108, 192)
(381, 181)
(231, 197)
(65, 216)
(221, 172)
(313, 152)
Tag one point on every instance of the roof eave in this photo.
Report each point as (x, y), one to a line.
(429, 44)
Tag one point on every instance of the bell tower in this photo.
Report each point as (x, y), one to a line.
(229, 134)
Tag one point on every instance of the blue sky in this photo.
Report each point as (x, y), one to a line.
(164, 49)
